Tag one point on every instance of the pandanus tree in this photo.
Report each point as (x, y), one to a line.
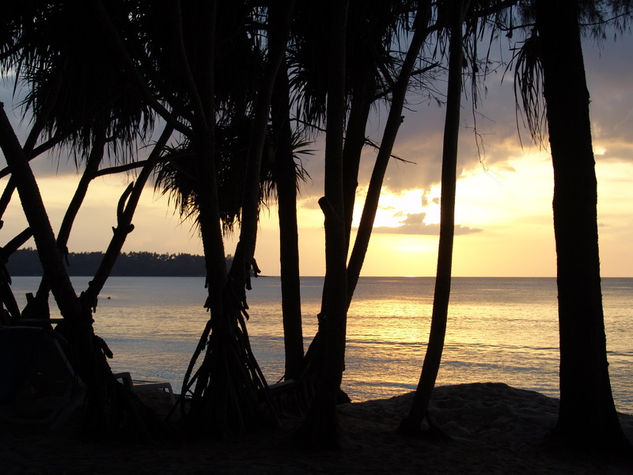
(551, 68)
(81, 97)
(223, 90)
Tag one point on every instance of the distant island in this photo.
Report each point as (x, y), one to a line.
(25, 262)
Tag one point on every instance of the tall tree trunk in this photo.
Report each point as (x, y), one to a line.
(431, 365)
(286, 179)
(363, 95)
(35, 212)
(201, 89)
(587, 414)
(351, 155)
(279, 26)
(386, 146)
(321, 424)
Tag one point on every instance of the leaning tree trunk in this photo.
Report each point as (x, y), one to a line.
(286, 180)
(364, 92)
(37, 218)
(125, 212)
(390, 133)
(109, 409)
(587, 414)
(430, 368)
(351, 156)
(279, 27)
(38, 307)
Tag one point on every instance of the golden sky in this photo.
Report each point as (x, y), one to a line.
(504, 192)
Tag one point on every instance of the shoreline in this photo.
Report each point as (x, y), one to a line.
(494, 429)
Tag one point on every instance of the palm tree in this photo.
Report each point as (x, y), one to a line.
(321, 422)
(587, 413)
(461, 19)
(225, 86)
(80, 93)
(456, 14)
(421, 30)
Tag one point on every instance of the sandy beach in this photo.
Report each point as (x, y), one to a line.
(493, 428)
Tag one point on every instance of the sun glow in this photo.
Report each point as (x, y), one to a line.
(395, 207)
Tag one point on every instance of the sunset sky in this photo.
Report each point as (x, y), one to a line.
(504, 193)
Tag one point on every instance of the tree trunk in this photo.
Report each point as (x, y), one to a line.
(386, 146)
(433, 357)
(125, 213)
(39, 306)
(229, 380)
(109, 410)
(351, 152)
(286, 179)
(321, 424)
(92, 166)
(363, 95)
(279, 26)
(50, 257)
(587, 414)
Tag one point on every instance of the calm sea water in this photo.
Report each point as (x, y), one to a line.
(499, 329)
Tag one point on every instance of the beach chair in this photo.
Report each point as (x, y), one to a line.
(39, 386)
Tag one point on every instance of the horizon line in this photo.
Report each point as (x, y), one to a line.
(362, 276)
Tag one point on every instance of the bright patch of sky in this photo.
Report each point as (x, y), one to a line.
(504, 192)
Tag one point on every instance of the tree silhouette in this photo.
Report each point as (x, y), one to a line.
(80, 97)
(550, 69)
(587, 413)
(285, 174)
(456, 16)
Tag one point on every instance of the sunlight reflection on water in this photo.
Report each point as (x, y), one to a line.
(498, 330)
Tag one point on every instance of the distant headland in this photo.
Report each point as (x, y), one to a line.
(25, 262)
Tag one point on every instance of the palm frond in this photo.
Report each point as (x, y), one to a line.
(528, 87)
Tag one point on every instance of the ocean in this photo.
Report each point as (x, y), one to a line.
(499, 330)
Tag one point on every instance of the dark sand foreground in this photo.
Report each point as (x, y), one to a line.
(494, 429)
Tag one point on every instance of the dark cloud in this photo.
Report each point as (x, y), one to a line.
(414, 224)
(501, 133)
